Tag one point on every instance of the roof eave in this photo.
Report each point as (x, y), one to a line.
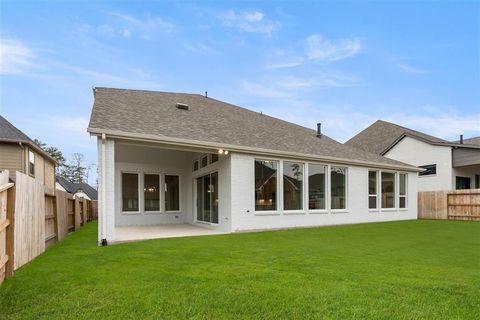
(242, 149)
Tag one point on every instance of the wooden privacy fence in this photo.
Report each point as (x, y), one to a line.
(31, 219)
(453, 205)
(6, 217)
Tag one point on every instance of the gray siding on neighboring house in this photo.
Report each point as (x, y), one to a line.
(11, 158)
(465, 157)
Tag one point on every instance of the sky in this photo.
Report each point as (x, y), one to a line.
(344, 64)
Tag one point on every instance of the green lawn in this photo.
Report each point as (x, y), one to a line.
(394, 270)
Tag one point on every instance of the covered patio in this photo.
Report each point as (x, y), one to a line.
(135, 233)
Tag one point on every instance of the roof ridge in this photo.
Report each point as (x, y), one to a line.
(151, 91)
(408, 130)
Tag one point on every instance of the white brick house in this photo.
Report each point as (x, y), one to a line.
(170, 158)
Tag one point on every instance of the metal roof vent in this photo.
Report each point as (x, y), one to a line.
(182, 106)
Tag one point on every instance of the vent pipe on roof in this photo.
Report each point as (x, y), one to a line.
(319, 130)
(461, 139)
(206, 94)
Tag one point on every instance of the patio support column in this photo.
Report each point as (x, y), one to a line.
(106, 154)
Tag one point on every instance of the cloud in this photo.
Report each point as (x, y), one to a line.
(290, 86)
(126, 26)
(15, 56)
(108, 30)
(286, 64)
(322, 49)
(252, 22)
(265, 91)
(149, 22)
(446, 125)
(409, 69)
(200, 47)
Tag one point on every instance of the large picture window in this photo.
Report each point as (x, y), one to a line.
(388, 190)
(338, 182)
(265, 185)
(292, 186)
(151, 192)
(172, 193)
(372, 189)
(316, 187)
(402, 192)
(130, 192)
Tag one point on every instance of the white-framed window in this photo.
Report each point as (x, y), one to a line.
(402, 190)
(372, 189)
(172, 193)
(213, 157)
(204, 161)
(151, 192)
(317, 176)
(292, 185)
(338, 188)
(31, 163)
(388, 183)
(130, 199)
(266, 177)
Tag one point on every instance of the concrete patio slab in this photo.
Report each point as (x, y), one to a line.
(136, 233)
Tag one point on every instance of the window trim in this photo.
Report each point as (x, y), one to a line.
(343, 210)
(406, 191)
(378, 187)
(293, 211)
(179, 193)
(278, 189)
(307, 188)
(159, 192)
(140, 196)
(395, 193)
(30, 173)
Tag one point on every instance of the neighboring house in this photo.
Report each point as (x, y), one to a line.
(79, 190)
(448, 165)
(19, 153)
(169, 158)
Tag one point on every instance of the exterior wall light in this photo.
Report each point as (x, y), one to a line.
(220, 151)
(226, 152)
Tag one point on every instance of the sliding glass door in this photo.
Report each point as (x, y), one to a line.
(207, 198)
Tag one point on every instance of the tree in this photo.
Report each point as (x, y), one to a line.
(76, 171)
(55, 153)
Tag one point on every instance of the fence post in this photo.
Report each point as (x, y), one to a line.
(10, 248)
(78, 218)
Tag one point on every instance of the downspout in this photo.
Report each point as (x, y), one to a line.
(104, 193)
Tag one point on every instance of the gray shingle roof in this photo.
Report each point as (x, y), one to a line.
(71, 187)
(382, 135)
(10, 133)
(209, 120)
(470, 141)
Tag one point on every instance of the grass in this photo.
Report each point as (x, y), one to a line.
(394, 270)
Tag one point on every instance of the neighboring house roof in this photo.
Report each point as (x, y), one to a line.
(381, 136)
(10, 133)
(470, 141)
(73, 188)
(154, 116)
